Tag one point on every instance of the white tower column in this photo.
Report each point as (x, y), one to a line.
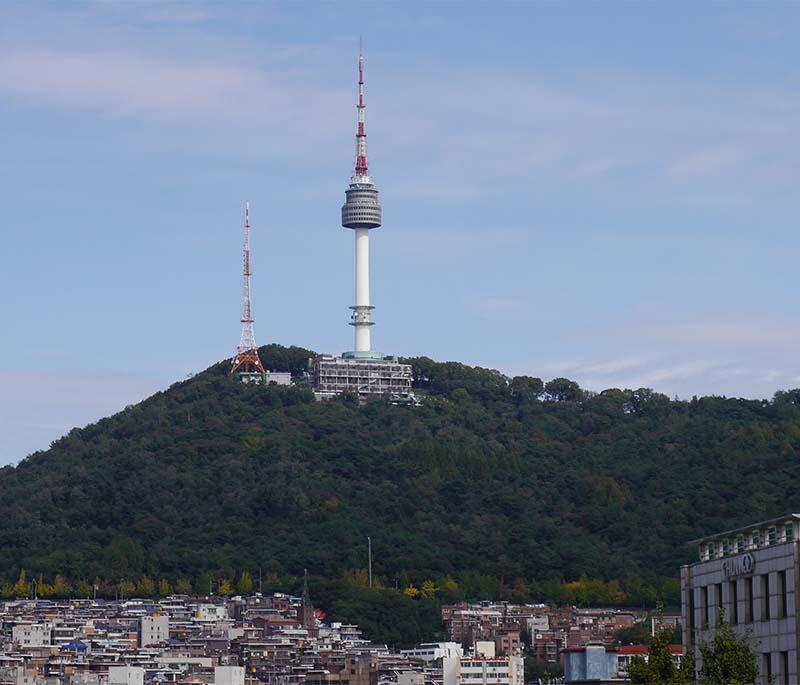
(362, 309)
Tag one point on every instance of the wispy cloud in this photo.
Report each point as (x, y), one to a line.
(729, 333)
(497, 308)
(749, 357)
(128, 84)
(37, 408)
(610, 128)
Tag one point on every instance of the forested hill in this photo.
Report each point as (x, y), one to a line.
(491, 482)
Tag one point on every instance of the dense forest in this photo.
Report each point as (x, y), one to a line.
(491, 486)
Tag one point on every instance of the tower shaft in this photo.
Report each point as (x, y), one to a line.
(362, 307)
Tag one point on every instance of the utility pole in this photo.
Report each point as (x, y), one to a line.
(369, 557)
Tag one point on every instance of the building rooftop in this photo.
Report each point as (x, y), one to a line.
(744, 529)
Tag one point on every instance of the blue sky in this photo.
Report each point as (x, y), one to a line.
(605, 191)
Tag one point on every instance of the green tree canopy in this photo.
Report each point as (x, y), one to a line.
(729, 658)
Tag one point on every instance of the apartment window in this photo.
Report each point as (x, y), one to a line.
(718, 600)
(788, 531)
(756, 539)
(772, 535)
(765, 615)
(785, 668)
(767, 669)
(733, 616)
(783, 604)
(691, 612)
(705, 606)
(739, 544)
(726, 547)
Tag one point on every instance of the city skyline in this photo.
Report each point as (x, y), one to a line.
(611, 187)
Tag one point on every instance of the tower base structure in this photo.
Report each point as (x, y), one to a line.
(276, 377)
(367, 374)
(247, 365)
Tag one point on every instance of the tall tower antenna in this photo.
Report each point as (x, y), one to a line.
(361, 132)
(247, 362)
(361, 212)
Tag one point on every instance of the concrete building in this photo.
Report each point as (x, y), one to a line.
(229, 675)
(27, 635)
(593, 664)
(278, 377)
(481, 670)
(626, 654)
(751, 576)
(153, 630)
(365, 376)
(125, 675)
(433, 651)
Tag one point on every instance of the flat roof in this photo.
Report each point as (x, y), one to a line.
(733, 531)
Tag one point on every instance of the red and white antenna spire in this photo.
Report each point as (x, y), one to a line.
(247, 361)
(361, 134)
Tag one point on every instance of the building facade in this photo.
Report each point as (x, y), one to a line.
(153, 630)
(367, 376)
(748, 576)
(593, 664)
(483, 670)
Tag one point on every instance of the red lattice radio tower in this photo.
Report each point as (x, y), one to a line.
(247, 362)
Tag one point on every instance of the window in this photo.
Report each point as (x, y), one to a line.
(767, 669)
(772, 535)
(785, 668)
(765, 615)
(739, 544)
(788, 531)
(748, 599)
(755, 539)
(718, 600)
(705, 606)
(726, 547)
(734, 597)
(783, 604)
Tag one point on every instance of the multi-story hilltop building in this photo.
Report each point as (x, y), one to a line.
(750, 576)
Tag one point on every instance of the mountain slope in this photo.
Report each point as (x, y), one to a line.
(483, 478)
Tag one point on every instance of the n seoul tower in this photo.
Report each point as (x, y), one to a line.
(361, 212)
(362, 371)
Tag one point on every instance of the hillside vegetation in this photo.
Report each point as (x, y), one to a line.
(493, 486)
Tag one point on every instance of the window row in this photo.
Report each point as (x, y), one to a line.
(744, 542)
(753, 605)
